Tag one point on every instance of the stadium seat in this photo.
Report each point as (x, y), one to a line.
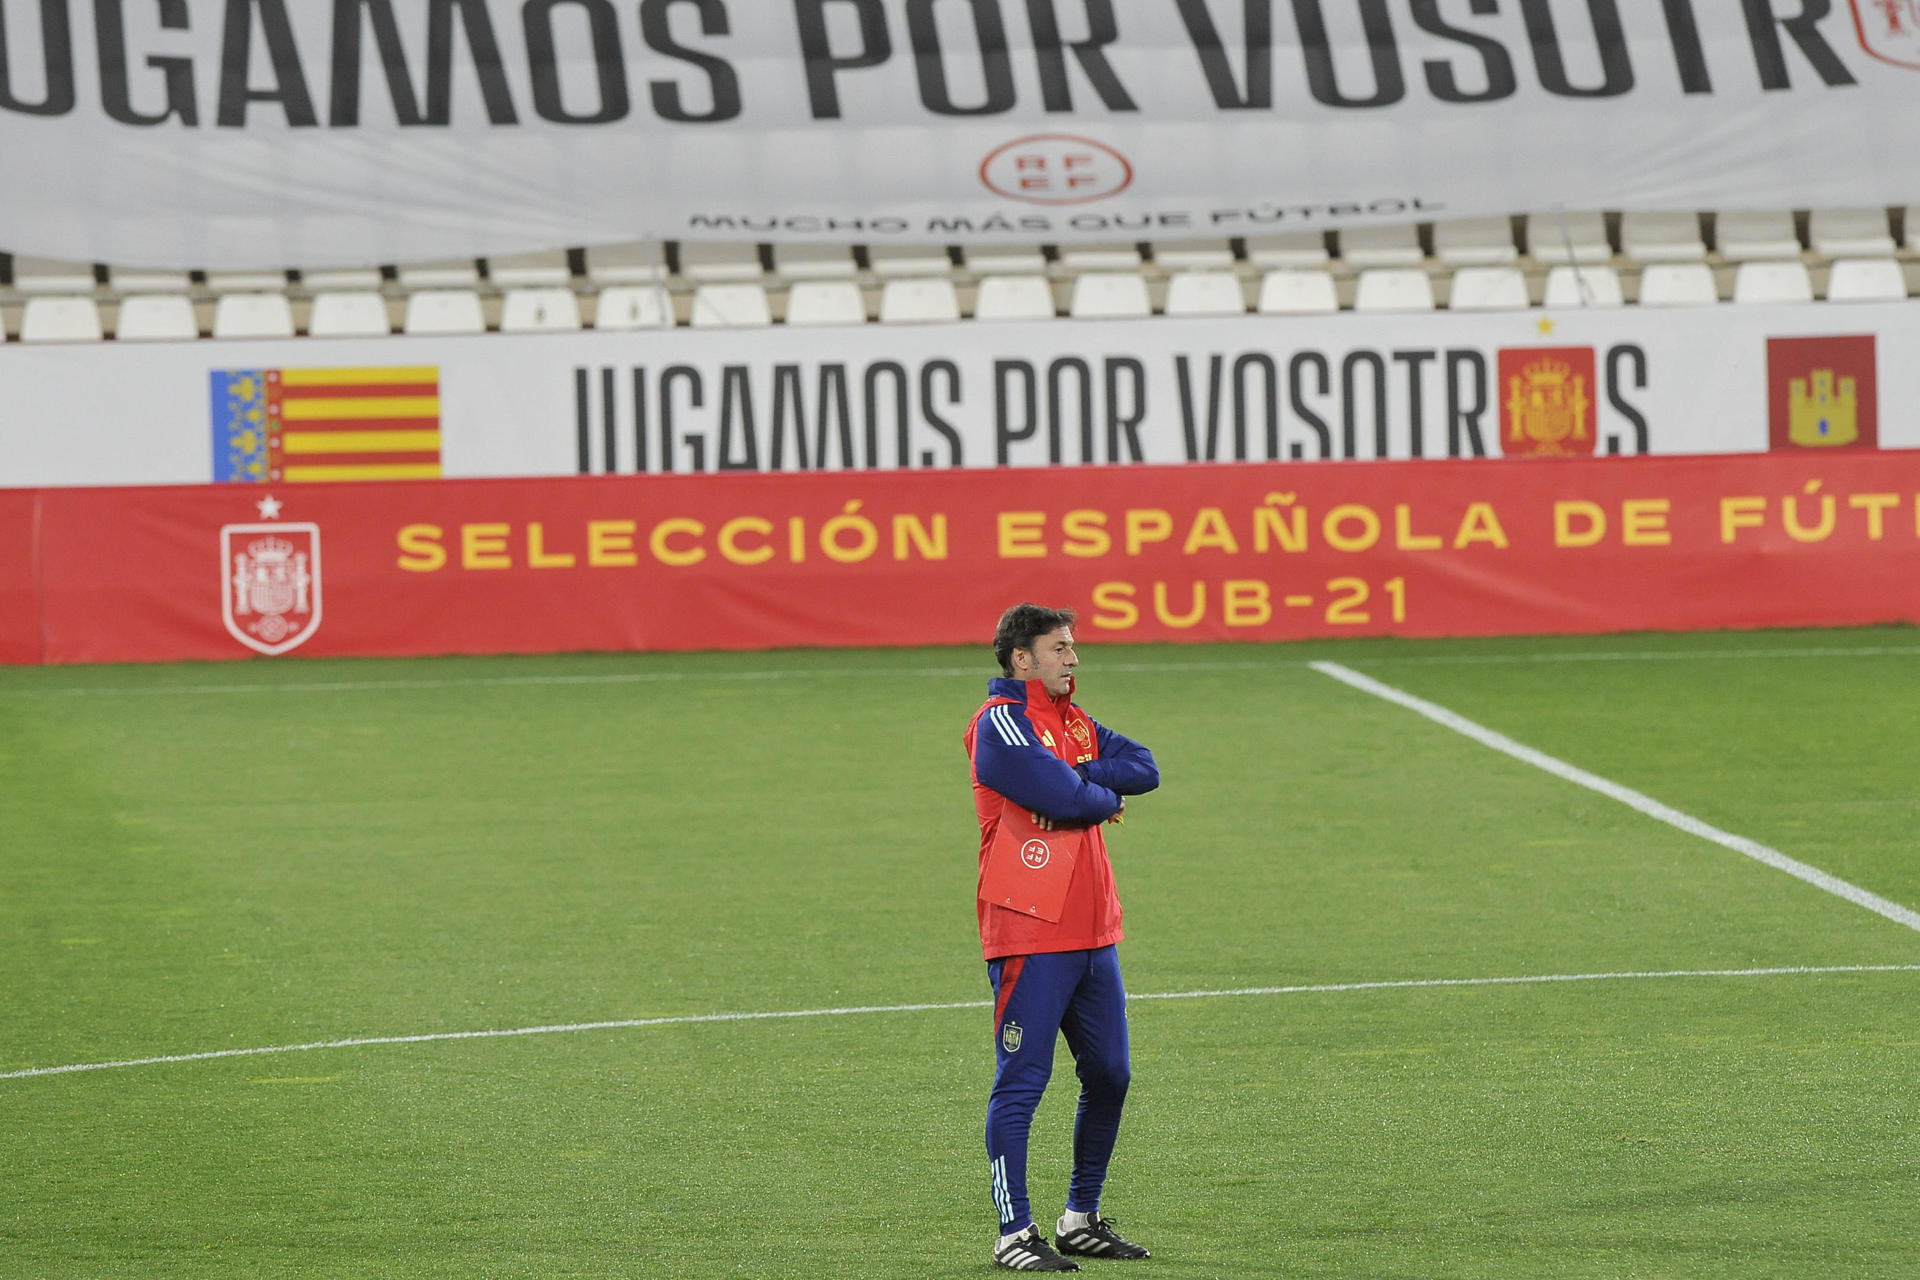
(1365, 248)
(1475, 242)
(126, 280)
(359, 313)
(635, 263)
(1393, 289)
(157, 317)
(1583, 286)
(1014, 298)
(1100, 257)
(1205, 293)
(341, 280)
(813, 261)
(1489, 289)
(1756, 235)
(444, 311)
(530, 270)
(1678, 284)
(1193, 255)
(1566, 237)
(1850, 233)
(549, 310)
(49, 275)
(1006, 260)
(458, 274)
(1293, 251)
(919, 301)
(896, 260)
(225, 282)
(1866, 280)
(53, 318)
(253, 315)
(634, 306)
(1296, 293)
(823, 302)
(719, 263)
(1772, 282)
(731, 306)
(1109, 295)
(1662, 237)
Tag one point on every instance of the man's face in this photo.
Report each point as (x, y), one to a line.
(1051, 661)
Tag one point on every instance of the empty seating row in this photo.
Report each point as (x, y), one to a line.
(1098, 294)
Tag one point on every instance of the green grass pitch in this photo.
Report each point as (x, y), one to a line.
(200, 858)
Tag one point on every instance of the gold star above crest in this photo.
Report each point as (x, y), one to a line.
(1545, 326)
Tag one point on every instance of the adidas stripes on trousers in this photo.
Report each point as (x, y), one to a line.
(1038, 998)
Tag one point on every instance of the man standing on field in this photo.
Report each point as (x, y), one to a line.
(1045, 777)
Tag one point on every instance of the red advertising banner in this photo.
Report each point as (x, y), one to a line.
(743, 561)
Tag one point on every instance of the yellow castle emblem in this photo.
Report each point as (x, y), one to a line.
(1547, 404)
(1822, 414)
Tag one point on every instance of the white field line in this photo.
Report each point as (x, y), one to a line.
(923, 673)
(622, 1024)
(1625, 795)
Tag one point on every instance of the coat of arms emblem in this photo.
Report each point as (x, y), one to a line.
(1889, 30)
(1010, 1037)
(270, 598)
(1549, 401)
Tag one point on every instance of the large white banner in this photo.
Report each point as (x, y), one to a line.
(232, 133)
(1594, 383)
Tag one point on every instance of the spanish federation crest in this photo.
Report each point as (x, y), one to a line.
(1889, 30)
(270, 598)
(1010, 1036)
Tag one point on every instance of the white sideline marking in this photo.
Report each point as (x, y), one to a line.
(1625, 795)
(922, 673)
(620, 1024)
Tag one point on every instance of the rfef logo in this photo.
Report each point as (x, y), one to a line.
(1822, 393)
(1889, 30)
(1056, 168)
(1035, 854)
(1546, 397)
(271, 598)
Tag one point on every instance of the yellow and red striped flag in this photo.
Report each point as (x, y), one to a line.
(299, 425)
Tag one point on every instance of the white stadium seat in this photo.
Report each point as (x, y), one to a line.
(1563, 238)
(1772, 282)
(1194, 255)
(919, 301)
(1662, 237)
(1756, 235)
(1205, 293)
(1678, 284)
(358, 313)
(1367, 247)
(1850, 233)
(253, 315)
(1475, 242)
(1393, 289)
(1583, 286)
(1866, 280)
(813, 261)
(549, 310)
(223, 282)
(1109, 295)
(53, 318)
(719, 263)
(1293, 251)
(157, 317)
(892, 260)
(1489, 289)
(1014, 298)
(50, 275)
(460, 273)
(1100, 257)
(147, 280)
(641, 262)
(1006, 260)
(634, 306)
(731, 306)
(823, 302)
(530, 270)
(444, 311)
(1297, 293)
(341, 280)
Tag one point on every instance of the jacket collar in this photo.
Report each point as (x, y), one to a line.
(1030, 692)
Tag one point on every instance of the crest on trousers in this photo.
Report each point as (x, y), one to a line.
(1010, 1037)
(1889, 30)
(270, 597)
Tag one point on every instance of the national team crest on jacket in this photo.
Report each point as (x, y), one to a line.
(271, 597)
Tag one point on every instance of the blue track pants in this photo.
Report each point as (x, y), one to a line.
(1077, 994)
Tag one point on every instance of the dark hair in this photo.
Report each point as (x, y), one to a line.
(1021, 625)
